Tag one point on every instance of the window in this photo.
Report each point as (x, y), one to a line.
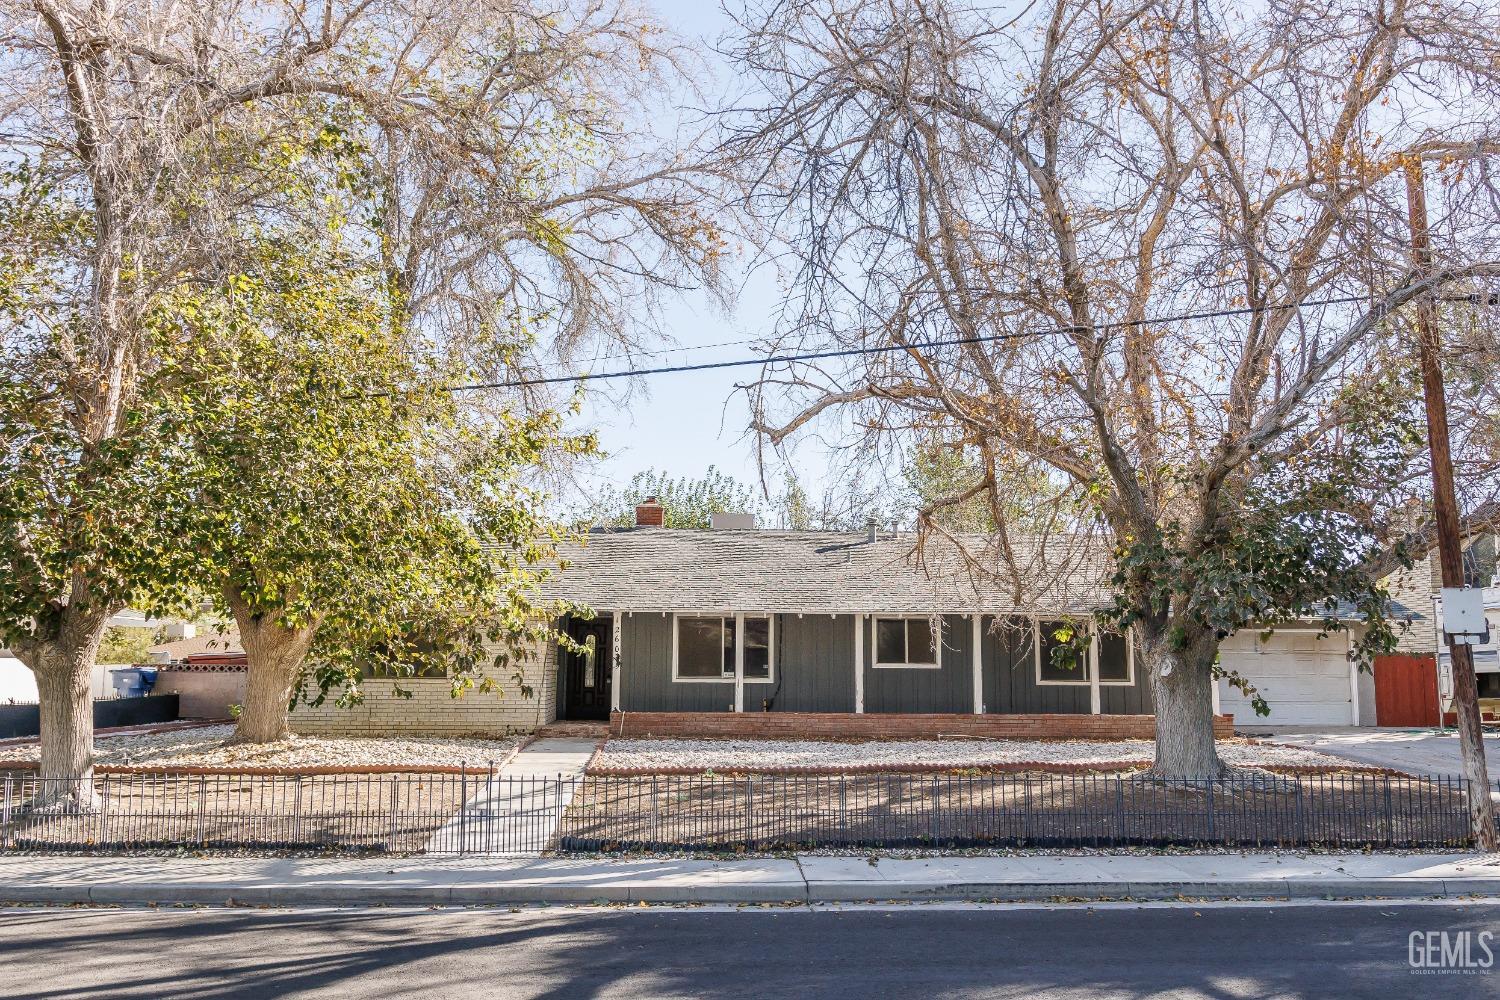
(704, 647)
(757, 648)
(1489, 685)
(590, 648)
(415, 654)
(1066, 667)
(1115, 659)
(905, 642)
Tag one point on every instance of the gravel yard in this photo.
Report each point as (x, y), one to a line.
(204, 746)
(728, 755)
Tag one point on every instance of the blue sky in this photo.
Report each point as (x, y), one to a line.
(684, 423)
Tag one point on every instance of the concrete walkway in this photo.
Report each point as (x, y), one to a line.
(518, 810)
(1415, 751)
(798, 879)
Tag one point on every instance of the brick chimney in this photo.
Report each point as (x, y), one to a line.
(648, 514)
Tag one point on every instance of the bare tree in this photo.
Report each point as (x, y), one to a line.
(509, 181)
(1150, 260)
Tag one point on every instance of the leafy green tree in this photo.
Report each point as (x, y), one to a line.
(141, 143)
(340, 505)
(686, 503)
(949, 487)
(124, 644)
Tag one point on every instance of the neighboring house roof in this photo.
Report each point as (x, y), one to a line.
(209, 642)
(677, 569)
(824, 572)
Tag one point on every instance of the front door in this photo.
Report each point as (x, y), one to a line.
(586, 675)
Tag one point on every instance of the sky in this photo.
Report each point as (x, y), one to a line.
(684, 423)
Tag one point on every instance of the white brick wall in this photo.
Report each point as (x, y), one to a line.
(1414, 588)
(433, 711)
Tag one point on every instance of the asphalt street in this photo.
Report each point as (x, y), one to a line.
(920, 951)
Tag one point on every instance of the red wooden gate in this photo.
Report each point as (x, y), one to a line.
(1406, 690)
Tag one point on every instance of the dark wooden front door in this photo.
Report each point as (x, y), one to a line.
(586, 676)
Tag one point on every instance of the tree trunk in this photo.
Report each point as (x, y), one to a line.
(63, 667)
(274, 655)
(1182, 683)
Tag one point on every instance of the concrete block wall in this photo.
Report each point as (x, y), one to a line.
(433, 711)
(203, 693)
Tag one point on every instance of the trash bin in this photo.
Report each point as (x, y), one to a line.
(148, 679)
(128, 682)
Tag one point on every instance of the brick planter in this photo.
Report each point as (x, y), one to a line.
(848, 726)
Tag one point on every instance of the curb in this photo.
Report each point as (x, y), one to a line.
(353, 895)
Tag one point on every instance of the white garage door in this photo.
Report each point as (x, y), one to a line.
(1305, 679)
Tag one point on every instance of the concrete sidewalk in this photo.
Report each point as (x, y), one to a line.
(432, 881)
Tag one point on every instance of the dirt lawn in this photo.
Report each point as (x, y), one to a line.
(204, 746)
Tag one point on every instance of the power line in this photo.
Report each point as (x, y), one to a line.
(775, 359)
(681, 349)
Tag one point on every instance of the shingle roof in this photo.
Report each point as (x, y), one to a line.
(675, 569)
(825, 572)
(209, 642)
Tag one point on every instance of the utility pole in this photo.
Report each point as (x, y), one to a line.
(1445, 512)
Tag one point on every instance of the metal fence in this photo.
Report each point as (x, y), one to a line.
(494, 814)
(394, 813)
(758, 812)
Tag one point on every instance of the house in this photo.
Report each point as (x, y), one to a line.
(735, 630)
(1411, 685)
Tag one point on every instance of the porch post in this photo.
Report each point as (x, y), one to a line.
(859, 664)
(1093, 666)
(614, 661)
(739, 662)
(977, 637)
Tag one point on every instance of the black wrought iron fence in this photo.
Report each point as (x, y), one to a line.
(396, 813)
(764, 812)
(489, 813)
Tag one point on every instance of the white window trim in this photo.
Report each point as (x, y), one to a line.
(1085, 677)
(739, 627)
(937, 646)
(1091, 662)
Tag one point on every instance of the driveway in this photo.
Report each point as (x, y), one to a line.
(1415, 751)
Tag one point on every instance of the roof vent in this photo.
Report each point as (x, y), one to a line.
(649, 514)
(732, 521)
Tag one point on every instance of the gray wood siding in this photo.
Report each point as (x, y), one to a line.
(814, 664)
(1010, 686)
(1122, 700)
(1132, 699)
(815, 673)
(646, 683)
(950, 688)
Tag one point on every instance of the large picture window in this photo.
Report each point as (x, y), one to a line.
(1055, 664)
(1109, 654)
(906, 642)
(704, 647)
